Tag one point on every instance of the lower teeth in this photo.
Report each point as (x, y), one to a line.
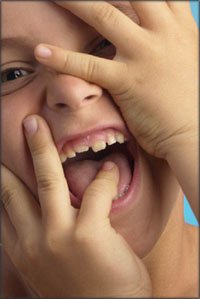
(122, 194)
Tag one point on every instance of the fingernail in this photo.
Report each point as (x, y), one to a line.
(43, 52)
(108, 165)
(30, 125)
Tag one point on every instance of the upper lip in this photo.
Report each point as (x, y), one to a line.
(120, 128)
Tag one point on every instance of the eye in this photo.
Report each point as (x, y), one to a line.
(103, 44)
(16, 75)
(104, 49)
(13, 74)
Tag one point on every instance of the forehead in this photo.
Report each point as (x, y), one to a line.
(44, 20)
(33, 18)
(29, 11)
(17, 13)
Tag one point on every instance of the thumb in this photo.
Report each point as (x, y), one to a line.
(98, 197)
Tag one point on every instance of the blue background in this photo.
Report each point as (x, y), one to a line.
(188, 214)
(195, 10)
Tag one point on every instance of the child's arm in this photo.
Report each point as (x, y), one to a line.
(61, 251)
(153, 77)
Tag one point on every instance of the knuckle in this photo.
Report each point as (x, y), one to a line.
(109, 185)
(20, 259)
(105, 181)
(66, 62)
(108, 180)
(88, 68)
(8, 196)
(47, 182)
(19, 263)
(152, 45)
(156, 49)
(39, 148)
(82, 236)
(30, 249)
(51, 243)
(105, 14)
(92, 191)
(78, 235)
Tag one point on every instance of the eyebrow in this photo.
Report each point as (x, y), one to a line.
(18, 42)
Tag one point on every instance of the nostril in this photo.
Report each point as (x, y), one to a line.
(89, 97)
(60, 105)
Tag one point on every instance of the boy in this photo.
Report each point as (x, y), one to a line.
(147, 212)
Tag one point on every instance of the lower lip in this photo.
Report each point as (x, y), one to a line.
(124, 201)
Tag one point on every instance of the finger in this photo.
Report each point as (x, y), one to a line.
(97, 199)
(109, 21)
(104, 72)
(126, 8)
(52, 186)
(20, 205)
(8, 234)
(180, 8)
(152, 14)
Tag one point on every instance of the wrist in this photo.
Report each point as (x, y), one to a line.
(183, 146)
(183, 159)
(178, 143)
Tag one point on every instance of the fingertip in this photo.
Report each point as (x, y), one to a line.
(42, 51)
(108, 165)
(35, 127)
(34, 124)
(30, 124)
(110, 169)
(98, 196)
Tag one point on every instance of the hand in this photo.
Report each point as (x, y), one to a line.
(154, 76)
(60, 251)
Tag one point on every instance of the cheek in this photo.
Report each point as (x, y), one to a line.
(13, 112)
(108, 106)
(15, 155)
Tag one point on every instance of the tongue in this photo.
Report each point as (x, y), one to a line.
(80, 174)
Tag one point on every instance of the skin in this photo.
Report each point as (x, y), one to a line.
(143, 225)
(155, 133)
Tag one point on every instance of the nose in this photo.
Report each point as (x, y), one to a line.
(69, 93)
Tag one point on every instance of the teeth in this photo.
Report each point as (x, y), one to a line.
(70, 154)
(120, 138)
(122, 193)
(118, 196)
(115, 198)
(98, 146)
(111, 139)
(63, 158)
(81, 149)
(126, 188)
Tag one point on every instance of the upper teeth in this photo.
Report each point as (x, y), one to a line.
(97, 146)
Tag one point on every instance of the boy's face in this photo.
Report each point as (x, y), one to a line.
(72, 107)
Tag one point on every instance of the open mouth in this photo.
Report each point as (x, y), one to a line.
(81, 169)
